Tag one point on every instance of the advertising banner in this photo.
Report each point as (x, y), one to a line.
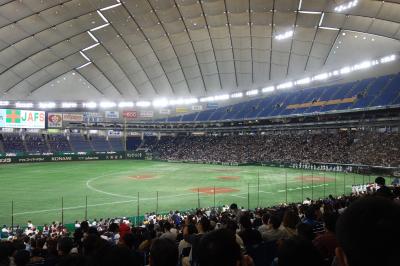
(181, 110)
(93, 117)
(72, 117)
(165, 111)
(14, 118)
(146, 114)
(54, 120)
(212, 105)
(129, 115)
(2, 117)
(197, 107)
(112, 114)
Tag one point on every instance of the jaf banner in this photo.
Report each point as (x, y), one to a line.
(54, 120)
(14, 118)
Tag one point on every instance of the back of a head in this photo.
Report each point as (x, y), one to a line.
(218, 248)
(330, 220)
(205, 223)
(298, 251)
(368, 232)
(21, 258)
(380, 181)
(290, 219)
(245, 221)
(163, 252)
(64, 245)
(275, 221)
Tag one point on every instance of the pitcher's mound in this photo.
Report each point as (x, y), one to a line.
(210, 190)
(144, 176)
(229, 177)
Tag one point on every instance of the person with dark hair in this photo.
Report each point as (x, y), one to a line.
(311, 217)
(64, 246)
(298, 251)
(163, 252)
(203, 226)
(219, 248)
(368, 233)
(21, 257)
(289, 222)
(305, 231)
(327, 243)
(265, 219)
(248, 234)
(273, 232)
(382, 189)
(184, 246)
(168, 233)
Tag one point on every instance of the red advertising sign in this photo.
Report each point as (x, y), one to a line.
(129, 114)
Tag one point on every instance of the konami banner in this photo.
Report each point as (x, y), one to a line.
(14, 118)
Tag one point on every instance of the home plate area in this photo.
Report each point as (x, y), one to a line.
(144, 176)
(230, 177)
(210, 190)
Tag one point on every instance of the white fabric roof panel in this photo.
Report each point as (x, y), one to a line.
(156, 48)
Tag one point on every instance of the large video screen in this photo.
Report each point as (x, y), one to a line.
(14, 118)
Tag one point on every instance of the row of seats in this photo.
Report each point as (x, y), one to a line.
(37, 143)
(371, 92)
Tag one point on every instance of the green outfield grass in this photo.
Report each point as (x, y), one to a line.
(112, 188)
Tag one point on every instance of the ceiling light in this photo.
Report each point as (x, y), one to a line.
(221, 97)
(207, 99)
(109, 7)
(100, 27)
(345, 70)
(90, 47)
(190, 101)
(285, 85)
(89, 105)
(285, 35)
(69, 105)
(92, 36)
(237, 95)
(300, 2)
(82, 66)
(125, 104)
(4, 103)
(143, 104)
(23, 105)
(107, 104)
(303, 81)
(321, 76)
(346, 6)
(160, 103)
(362, 65)
(251, 92)
(268, 89)
(47, 105)
(387, 59)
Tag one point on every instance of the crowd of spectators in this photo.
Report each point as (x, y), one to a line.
(350, 230)
(346, 147)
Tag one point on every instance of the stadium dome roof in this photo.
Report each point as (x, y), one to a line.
(144, 49)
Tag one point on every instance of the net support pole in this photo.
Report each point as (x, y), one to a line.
(214, 196)
(312, 185)
(258, 188)
(156, 203)
(248, 196)
(286, 187)
(12, 215)
(344, 183)
(86, 201)
(335, 183)
(138, 209)
(62, 212)
(324, 184)
(198, 198)
(302, 185)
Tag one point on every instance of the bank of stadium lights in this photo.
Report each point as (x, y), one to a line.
(125, 104)
(268, 89)
(143, 104)
(285, 35)
(160, 103)
(47, 105)
(107, 104)
(23, 105)
(251, 92)
(89, 105)
(303, 81)
(69, 105)
(237, 95)
(285, 85)
(4, 103)
(346, 6)
(387, 59)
